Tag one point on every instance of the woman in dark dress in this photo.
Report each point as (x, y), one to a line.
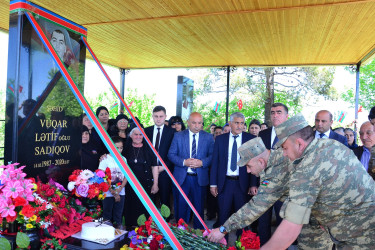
(120, 127)
(139, 157)
(90, 151)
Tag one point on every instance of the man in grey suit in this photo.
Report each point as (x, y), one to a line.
(191, 153)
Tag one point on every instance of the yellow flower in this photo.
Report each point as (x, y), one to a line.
(125, 247)
(100, 197)
(136, 230)
(20, 212)
(28, 226)
(33, 218)
(35, 187)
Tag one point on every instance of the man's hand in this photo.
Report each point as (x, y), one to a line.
(253, 191)
(197, 163)
(189, 162)
(215, 235)
(213, 191)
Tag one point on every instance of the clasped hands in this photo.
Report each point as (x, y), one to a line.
(193, 163)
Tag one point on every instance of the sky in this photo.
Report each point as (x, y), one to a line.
(163, 82)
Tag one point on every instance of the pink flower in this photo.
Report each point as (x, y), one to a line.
(3, 200)
(27, 185)
(79, 203)
(12, 189)
(28, 196)
(8, 209)
(82, 190)
(100, 173)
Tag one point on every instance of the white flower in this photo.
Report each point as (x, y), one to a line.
(86, 174)
(71, 185)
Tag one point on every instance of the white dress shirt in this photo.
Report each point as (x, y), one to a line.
(326, 134)
(273, 135)
(191, 145)
(156, 133)
(230, 146)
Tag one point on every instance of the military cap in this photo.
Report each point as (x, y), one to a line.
(289, 127)
(250, 149)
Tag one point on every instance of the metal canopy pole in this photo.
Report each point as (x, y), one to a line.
(357, 71)
(227, 106)
(122, 88)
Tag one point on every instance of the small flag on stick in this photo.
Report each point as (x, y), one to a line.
(114, 106)
(217, 107)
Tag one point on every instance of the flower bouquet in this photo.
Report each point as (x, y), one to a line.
(148, 236)
(248, 240)
(88, 184)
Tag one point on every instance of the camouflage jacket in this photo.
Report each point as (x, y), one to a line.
(329, 183)
(273, 186)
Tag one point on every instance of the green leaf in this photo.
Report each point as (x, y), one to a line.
(165, 211)
(198, 232)
(141, 220)
(22, 240)
(4, 244)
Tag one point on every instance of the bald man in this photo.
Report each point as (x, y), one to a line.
(191, 153)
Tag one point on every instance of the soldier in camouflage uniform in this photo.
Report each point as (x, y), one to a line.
(274, 186)
(327, 182)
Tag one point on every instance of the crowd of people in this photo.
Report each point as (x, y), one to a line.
(209, 166)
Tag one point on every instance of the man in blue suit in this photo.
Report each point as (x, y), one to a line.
(323, 123)
(228, 181)
(191, 154)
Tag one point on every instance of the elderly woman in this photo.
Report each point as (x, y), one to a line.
(90, 151)
(177, 123)
(350, 136)
(120, 127)
(141, 162)
(254, 127)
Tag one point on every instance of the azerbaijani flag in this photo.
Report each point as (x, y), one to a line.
(341, 116)
(114, 106)
(217, 107)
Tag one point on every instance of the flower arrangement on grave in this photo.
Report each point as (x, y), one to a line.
(53, 244)
(248, 240)
(148, 236)
(88, 184)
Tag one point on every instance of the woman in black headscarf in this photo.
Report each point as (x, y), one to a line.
(120, 128)
(90, 151)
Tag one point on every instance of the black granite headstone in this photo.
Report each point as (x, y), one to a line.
(43, 125)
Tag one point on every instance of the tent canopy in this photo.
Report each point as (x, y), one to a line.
(193, 33)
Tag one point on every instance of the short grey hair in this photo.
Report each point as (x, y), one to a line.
(237, 115)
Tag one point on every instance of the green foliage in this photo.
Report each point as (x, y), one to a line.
(291, 86)
(165, 211)
(366, 87)
(22, 240)
(4, 244)
(142, 104)
(141, 220)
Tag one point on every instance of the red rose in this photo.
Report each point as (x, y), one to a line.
(11, 218)
(28, 211)
(19, 201)
(91, 193)
(44, 187)
(50, 192)
(55, 199)
(73, 178)
(154, 244)
(108, 173)
(232, 248)
(158, 237)
(180, 222)
(103, 187)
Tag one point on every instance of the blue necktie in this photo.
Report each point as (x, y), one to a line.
(275, 141)
(233, 161)
(321, 135)
(194, 151)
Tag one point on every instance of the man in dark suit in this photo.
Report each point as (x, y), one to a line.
(323, 123)
(161, 137)
(228, 181)
(279, 114)
(191, 154)
(367, 136)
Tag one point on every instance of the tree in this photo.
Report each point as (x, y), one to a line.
(366, 87)
(141, 107)
(261, 87)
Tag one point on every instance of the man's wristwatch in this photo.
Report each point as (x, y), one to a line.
(223, 230)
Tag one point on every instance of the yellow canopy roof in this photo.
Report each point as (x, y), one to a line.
(190, 33)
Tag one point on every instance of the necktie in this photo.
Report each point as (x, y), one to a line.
(275, 141)
(194, 151)
(157, 140)
(233, 161)
(321, 135)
